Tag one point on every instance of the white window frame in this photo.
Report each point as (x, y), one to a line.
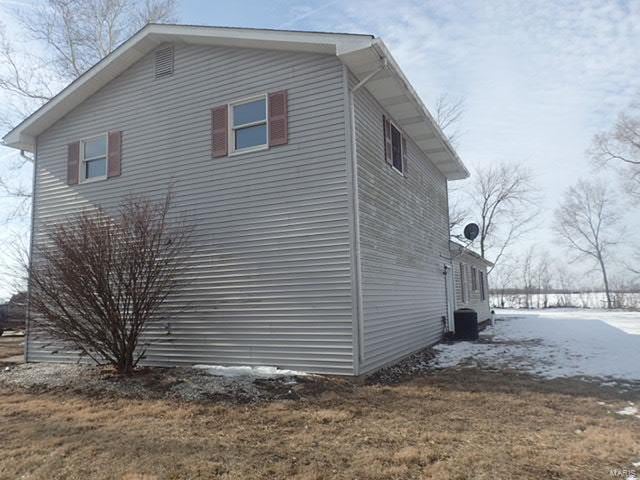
(83, 170)
(232, 129)
(393, 167)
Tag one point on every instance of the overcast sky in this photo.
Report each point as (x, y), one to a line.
(538, 78)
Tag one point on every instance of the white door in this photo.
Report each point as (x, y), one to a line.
(450, 286)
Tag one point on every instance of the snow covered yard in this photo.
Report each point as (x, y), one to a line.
(556, 343)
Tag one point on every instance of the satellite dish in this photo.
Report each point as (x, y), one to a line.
(471, 231)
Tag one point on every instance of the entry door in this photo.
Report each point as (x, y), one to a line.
(450, 286)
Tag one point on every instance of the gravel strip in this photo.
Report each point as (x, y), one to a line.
(185, 384)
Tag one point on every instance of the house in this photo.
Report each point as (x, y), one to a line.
(314, 175)
(471, 285)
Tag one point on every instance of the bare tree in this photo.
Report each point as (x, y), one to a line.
(502, 279)
(448, 114)
(528, 275)
(503, 197)
(458, 211)
(588, 223)
(61, 39)
(544, 278)
(98, 281)
(620, 148)
(567, 284)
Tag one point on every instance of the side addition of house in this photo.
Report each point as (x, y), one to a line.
(314, 176)
(471, 284)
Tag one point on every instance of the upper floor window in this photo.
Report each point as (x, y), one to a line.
(94, 158)
(249, 124)
(396, 148)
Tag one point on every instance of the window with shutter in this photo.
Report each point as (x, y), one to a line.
(95, 158)
(251, 124)
(394, 145)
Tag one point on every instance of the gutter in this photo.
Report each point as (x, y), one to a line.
(353, 166)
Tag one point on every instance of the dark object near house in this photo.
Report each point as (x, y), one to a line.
(13, 313)
(4, 316)
(466, 324)
(471, 231)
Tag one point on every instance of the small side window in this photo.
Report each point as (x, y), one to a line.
(462, 285)
(474, 279)
(482, 287)
(93, 152)
(248, 124)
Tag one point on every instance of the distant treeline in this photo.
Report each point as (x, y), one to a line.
(540, 291)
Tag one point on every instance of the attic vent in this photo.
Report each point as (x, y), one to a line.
(164, 62)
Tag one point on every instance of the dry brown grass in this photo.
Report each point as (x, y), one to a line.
(448, 425)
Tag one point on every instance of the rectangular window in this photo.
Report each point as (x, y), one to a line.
(396, 148)
(248, 120)
(474, 279)
(94, 158)
(462, 287)
(482, 293)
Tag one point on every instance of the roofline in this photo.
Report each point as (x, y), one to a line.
(464, 250)
(148, 37)
(157, 28)
(260, 29)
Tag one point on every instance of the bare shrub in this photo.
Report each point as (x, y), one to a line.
(99, 280)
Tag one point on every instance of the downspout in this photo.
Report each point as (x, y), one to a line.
(353, 164)
(27, 322)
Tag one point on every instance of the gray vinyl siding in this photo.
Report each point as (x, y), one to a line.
(269, 278)
(403, 240)
(471, 298)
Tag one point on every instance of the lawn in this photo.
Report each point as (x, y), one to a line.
(453, 423)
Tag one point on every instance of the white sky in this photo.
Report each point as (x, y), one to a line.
(538, 78)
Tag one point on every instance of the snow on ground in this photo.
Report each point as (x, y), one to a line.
(555, 343)
(629, 410)
(248, 371)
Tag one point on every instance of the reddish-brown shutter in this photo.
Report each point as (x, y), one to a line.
(73, 163)
(386, 130)
(278, 119)
(404, 155)
(114, 154)
(219, 135)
